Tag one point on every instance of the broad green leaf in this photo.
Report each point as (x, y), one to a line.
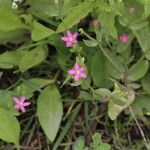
(103, 6)
(138, 70)
(6, 99)
(38, 6)
(114, 65)
(132, 18)
(98, 69)
(9, 59)
(9, 21)
(143, 36)
(90, 43)
(101, 94)
(74, 17)
(114, 109)
(146, 5)
(146, 83)
(59, 9)
(28, 87)
(141, 106)
(32, 58)
(9, 127)
(109, 24)
(50, 111)
(79, 144)
(15, 36)
(98, 144)
(40, 32)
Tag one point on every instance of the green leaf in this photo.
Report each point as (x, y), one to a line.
(98, 144)
(50, 111)
(90, 43)
(79, 144)
(132, 18)
(28, 87)
(9, 59)
(141, 106)
(98, 69)
(32, 58)
(113, 108)
(146, 83)
(6, 100)
(75, 16)
(138, 70)
(143, 36)
(9, 20)
(101, 94)
(109, 24)
(9, 127)
(40, 32)
(15, 36)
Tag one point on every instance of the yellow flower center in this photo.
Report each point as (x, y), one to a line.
(78, 72)
(70, 39)
(20, 103)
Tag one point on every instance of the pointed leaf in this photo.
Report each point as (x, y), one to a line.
(9, 127)
(50, 111)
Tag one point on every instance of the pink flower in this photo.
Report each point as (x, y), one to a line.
(124, 38)
(95, 23)
(70, 39)
(78, 72)
(20, 103)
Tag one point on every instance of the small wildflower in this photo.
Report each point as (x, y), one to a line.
(70, 39)
(124, 38)
(132, 10)
(14, 5)
(95, 23)
(20, 103)
(78, 72)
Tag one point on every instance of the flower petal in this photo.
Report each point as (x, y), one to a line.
(72, 72)
(69, 34)
(17, 106)
(76, 77)
(22, 99)
(68, 44)
(82, 69)
(16, 100)
(64, 38)
(22, 109)
(76, 67)
(26, 104)
(83, 75)
(75, 35)
(75, 41)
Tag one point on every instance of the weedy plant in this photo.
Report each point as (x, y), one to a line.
(71, 68)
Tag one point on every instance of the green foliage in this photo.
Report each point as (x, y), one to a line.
(39, 54)
(73, 17)
(9, 127)
(97, 143)
(120, 100)
(138, 70)
(98, 69)
(141, 106)
(40, 32)
(80, 145)
(34, 57)
(50, 111)
(9, 23)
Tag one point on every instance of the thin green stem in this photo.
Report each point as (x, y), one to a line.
(140, 129)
